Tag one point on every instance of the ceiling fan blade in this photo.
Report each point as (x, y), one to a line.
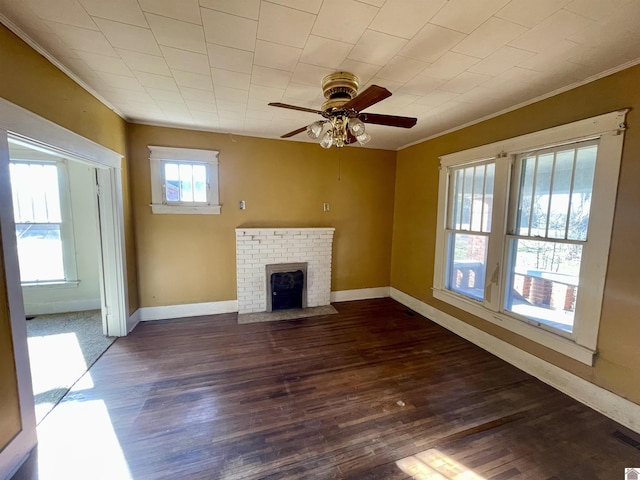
(389, 120)
(293, 107)
(295, 132)
(368, 97)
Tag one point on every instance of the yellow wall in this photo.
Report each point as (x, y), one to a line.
(191, 258)
(32, 82)
(415, 222)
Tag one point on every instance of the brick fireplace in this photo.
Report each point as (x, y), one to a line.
(258, 247)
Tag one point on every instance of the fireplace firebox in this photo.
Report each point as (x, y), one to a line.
(286, 286)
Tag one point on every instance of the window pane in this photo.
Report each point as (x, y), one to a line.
(561, 192)
(186, 183)
(40, 252)
(200, 183)
(36, 196)
(172, 182)
(582, 187)
(466, 199)
(541, 195)
(477, 198)
(467, 259)
(488, 198)
(526, 196)
(457, 200)
(544, 281)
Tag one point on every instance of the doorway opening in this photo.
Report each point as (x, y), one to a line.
(57, 226)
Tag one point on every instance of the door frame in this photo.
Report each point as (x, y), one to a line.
(17, 121)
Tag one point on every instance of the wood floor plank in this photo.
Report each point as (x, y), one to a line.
(340, 396)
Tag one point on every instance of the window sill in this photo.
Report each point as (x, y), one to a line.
(188, 210)
(563, 345)
(52, 285)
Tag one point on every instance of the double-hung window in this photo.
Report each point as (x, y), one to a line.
(523, 231)
(44, 232)
(184, 180)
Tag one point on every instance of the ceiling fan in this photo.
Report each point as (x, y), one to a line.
(342, 112)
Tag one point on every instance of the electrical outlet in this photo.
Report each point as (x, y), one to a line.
(325, 207)
(243, 205)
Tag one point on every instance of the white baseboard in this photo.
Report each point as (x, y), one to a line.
(359, 294)
(187, 310)
(133, 320)
(613, 406)
(62, 306)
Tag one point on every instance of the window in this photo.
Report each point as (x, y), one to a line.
(516, 233)
(41, 208)
(184, 180)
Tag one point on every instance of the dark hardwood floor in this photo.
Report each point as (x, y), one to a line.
(374, 392)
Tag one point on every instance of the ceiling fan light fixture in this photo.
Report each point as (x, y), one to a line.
(315, 129)
(363, 138)
(356, 126)
(327, 139)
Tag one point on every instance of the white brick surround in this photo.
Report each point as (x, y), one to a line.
(258, 247)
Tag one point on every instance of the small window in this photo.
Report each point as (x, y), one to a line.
(524, 227)
(184, 180)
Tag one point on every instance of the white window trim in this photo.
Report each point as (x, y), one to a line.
(163, 154)
(582, 343)
(67, 230)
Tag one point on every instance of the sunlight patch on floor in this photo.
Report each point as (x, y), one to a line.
(435, 465)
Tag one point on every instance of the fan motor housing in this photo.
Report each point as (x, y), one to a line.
(338, 89)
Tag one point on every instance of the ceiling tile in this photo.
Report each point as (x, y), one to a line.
(543, 62)
(436, 98)
(227, 78)
(110, 80)
(229, 30)
(467, 15)
(230, 58)
(431, 43)
(105, 63)
(298, 91)
(232, 106)
(231, 94)
(159, 94)
(277, 56)
(311, 6)
(376, 48)
(153, 80)
(382, 82)
(309, 75)
(596, 9)
(270, 77)
(554, 29)
(201, 106)
(401, 69)
(268, 94)
(129, 37)
(83, 39)
(364, 71)
(404, 18)
(464, 82)
(144, 62)
(204, 117)
(193, 80)
(69, 12)
(489, 37)
(394, 102)
(421, 85)
(325, 52)
(245, 8)
(344, 20)
(284, 25)
(450, 65)
(185, 10)
(176, 33)
(125, 11)
(187, 61)
(375, 3)
(528, 13)
(197, 95)
(500, 61)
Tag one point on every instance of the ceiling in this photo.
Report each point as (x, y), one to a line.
(215, 64)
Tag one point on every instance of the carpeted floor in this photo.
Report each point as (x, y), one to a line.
(62, 347)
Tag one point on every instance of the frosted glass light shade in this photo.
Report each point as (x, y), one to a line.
(363, 138)
(356, 126)
(327, 139)
(315, 129)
